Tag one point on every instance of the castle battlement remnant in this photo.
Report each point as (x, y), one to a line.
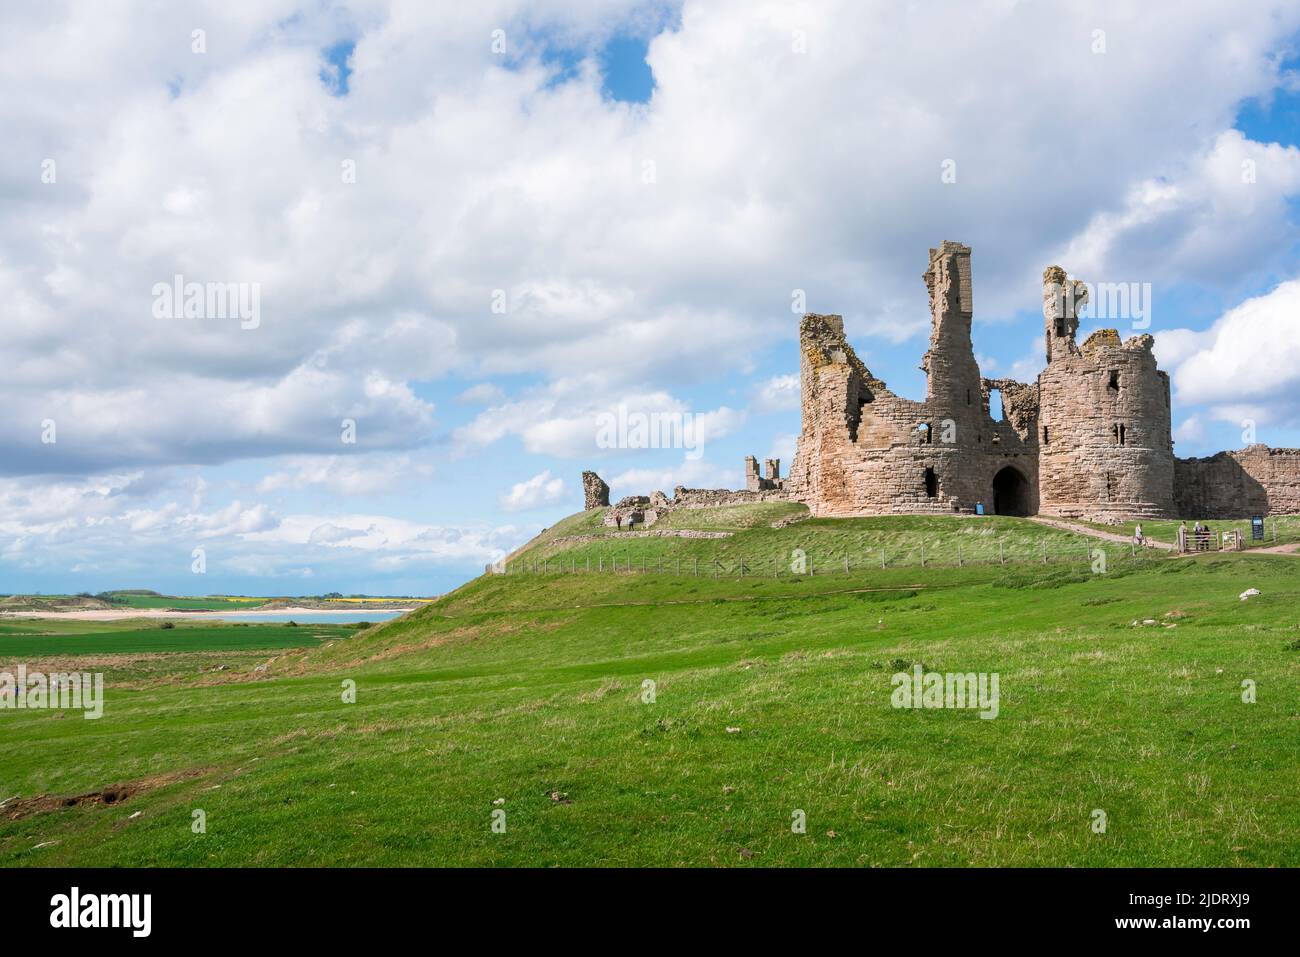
(1091, 438)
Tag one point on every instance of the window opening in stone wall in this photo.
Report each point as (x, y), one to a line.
(1112, 381)
(931, 483)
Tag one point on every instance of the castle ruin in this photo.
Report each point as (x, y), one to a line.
(1090, 439)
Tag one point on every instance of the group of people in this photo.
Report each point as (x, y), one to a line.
(1197, 540)
(618, 520)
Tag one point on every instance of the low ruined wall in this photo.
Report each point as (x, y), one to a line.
(709, 497)
(1253, 481)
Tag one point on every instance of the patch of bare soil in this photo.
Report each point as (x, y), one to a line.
(16, 809)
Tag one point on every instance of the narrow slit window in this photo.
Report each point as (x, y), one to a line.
(931, 483)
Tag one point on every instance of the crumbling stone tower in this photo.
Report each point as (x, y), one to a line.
(1104, 447)
(865, 449)
(1090, 439)
(595, 493)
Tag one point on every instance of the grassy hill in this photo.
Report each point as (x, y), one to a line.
(746, 533)
(1120, 692)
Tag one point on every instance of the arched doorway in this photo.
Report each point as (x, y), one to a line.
(1010, 493)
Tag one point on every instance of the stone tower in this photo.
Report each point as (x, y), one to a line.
(1090, 439)
(1104, 446)
(863, 448)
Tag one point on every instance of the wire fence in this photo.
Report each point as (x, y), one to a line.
(798, 564)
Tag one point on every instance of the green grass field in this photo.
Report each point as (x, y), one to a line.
(526, 694)
(43, 637)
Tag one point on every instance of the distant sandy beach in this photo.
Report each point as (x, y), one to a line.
(116, 614)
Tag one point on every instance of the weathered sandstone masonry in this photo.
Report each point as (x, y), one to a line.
(1105, 447)
(1091, 438)
(595, 493)
(865, 450)
(1254, 481)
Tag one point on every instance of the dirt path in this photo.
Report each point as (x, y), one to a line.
(1291, 548)
(1068, 526)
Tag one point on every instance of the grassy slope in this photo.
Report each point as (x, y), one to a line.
(1287, 529)
(825, 542)
(514, 687)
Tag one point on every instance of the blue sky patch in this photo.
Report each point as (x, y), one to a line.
(336, 71)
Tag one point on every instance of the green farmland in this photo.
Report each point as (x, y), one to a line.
(631, 718)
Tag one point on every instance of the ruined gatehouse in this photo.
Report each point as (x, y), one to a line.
(1091, 438)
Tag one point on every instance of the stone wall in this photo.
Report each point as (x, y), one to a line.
(1253, 481)
(645, 510)
(710, 497)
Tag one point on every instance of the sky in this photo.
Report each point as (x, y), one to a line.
(459, 238)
